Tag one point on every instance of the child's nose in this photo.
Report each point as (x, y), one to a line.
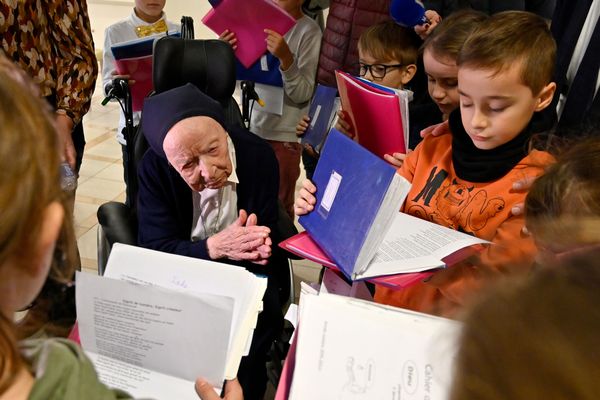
(478, 120)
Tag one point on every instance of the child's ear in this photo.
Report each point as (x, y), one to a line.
(408, 72)
(544, 98)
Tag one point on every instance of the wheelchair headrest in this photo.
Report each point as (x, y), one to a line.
(208, 64)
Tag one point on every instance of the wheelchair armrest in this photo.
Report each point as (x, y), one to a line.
(118, 223)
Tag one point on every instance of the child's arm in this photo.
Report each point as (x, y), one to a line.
(305, 202)
(277, 46)
(424, 30)
(396, 159)
(299, 67)
(109, 68)
(229, 37)
(510, 253)
(344, 125)
(233, 390)
(302, 125)
(436, 130)
(108, 60)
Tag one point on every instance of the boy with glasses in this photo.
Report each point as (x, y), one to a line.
(387, 54)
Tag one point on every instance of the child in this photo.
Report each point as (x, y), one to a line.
(387, 55)
(32, 209)
(146, 19)
(534, 339)
(464, 180)
(562, 208)
(440, 52)
(298, 54)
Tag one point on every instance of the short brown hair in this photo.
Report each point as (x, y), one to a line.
(389, 41)
(446, 40)
(511, 37)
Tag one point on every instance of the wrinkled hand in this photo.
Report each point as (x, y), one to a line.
(424, 30)
(436, 130)
(264, 250)
(242, 240)
(233, 390)
(396, 159)
(302, 125)
(64, 128)
(344, 124)
(277, 46)
(305, 202)
(229, 37)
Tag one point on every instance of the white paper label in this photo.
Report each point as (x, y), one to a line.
(331, 191)
(263, 63)
(315, 117)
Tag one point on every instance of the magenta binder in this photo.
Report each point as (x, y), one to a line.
(375, 114)
(248, 19)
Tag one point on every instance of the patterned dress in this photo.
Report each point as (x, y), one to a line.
(52, 41)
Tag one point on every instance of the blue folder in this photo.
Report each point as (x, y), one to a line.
(265, 71)
(351, 185)
(138, 47)
(320, 113)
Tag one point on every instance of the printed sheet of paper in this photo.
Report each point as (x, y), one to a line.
(397, 354)
(145, 328)
(193, 276)
(412, 245)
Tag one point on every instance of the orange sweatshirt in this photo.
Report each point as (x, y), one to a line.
(480, 209)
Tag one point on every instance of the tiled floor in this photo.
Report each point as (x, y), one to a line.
(101, 180)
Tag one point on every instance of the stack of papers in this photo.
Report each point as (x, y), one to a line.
(157, 321)
(397, 354)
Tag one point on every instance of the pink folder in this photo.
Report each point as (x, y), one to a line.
(287, 373)
(140, 70)
(375, 115)
(248, 19)
(304, 246)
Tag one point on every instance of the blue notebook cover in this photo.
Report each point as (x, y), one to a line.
(320, 111)
(265, 71)
(376, 85)
(139, 47)
(351, 185)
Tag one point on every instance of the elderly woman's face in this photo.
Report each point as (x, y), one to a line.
(197, 148)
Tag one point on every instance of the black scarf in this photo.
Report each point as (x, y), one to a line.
(476, 165)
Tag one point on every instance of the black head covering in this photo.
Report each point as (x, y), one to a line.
(165, 109)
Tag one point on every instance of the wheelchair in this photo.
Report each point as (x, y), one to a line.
(176, 62)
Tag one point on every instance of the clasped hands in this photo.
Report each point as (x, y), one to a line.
(243, 240)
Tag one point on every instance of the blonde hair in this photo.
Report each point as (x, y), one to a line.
(511, 37)
(446, 40)
(29, 181)
(388, 41)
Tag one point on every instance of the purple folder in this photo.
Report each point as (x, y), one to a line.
(248, 19)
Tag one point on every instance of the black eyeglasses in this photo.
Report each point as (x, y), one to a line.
(377, 70)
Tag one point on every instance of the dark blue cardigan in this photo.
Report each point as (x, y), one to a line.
(165, 201)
